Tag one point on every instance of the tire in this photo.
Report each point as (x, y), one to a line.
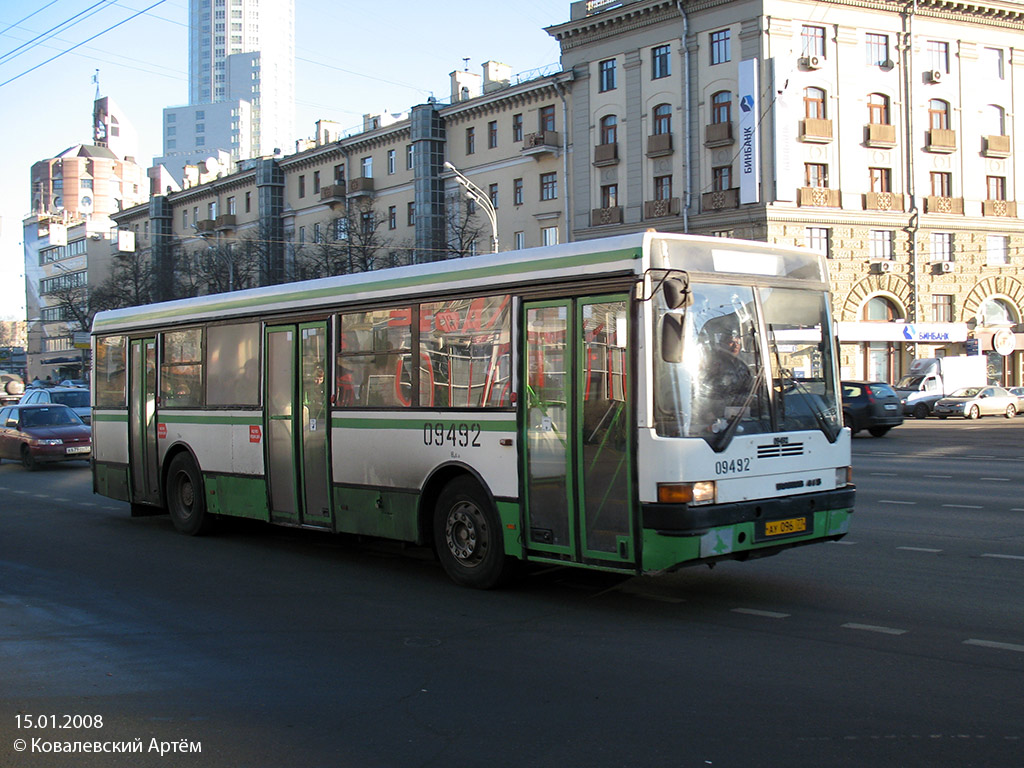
(921, 411)
(27, 460)
(1011, 411)
(973, 413)
(878, 431)
(468, 536)
(186, 497)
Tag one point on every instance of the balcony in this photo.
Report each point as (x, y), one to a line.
(657, 209)
(206, 226)
(718, 134)
(720, 200)
(226, 222)
(941, 140)
(606, 154)
(884, 201)
(659, 144)
(819, 197)
(879, 136)
(360, 187)
(1006, 208)
(541, 143)
(334, 193)
(816, 130)
(602, 216)
(997, 146)
(934, 204)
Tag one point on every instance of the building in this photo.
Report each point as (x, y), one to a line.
(241, 84)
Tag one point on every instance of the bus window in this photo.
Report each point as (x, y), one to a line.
(372, 365)
(233, 353)
(108, 377)
(181, 369)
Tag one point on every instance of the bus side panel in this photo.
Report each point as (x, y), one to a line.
(110, 454)
(237, 496)
(373, 512)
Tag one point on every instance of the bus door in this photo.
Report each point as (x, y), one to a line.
(578, 482)
(143, 459)
(298, 424)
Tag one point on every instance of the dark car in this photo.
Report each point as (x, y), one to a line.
(870, 405)
(75, 398)
(38, 434)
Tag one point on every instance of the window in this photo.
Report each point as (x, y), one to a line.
(492, 134)
(662, 119)
(549, 186)
(233, 380)
(997, 251)
(609, 125)
(942, 183)
(517, 128)
(410, 156)
(877, 47)
(410, 214)
(814, 103)
(938, 114)
(518, 240)
(993, 120)
(470, 141)
(546, 118)
(517, 191)
(661, 61)
(812, 41)
(720, 47)
(392, 217)
(662, 187)
(231, 203)
(492, 193)
(549, 235)
(881, 179)
(391, 161)
(302, 186)
(878, 109)
(881, 244)
(996, 186)
(184, 218)
(181, 368)
(721, 107)
(109, 366)
(316, 184)
(248, 202)
(938, 56)
(942, 308)
(721, 178)
(993, 61)
(373, 367)
(942, 246)
(367, 167)
(606, 75)
(815, 175)
(816, 239)
(609, 195)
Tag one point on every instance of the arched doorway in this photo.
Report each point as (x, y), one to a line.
(998, 314)
(880, 358)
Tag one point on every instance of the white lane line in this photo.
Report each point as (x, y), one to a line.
(40, 496)
(765, 614)
(962, 506)
(996, 479)
(1017, 509)
(86, 504)
(894, 501)
(873, 628)
(843, 542)
(939, 477)
(58, 498)
(887, 474)
(1003, 557)
(993, 644)
(919, 549)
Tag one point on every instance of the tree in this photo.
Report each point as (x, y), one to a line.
(218, 267)
(129, 284)
(463, 227)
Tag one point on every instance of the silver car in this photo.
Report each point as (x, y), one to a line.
(975, 402)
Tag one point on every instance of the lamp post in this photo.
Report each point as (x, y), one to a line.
(474, 193)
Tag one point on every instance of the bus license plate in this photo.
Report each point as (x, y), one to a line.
(790, 527)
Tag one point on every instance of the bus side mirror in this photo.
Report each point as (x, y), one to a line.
(672, 338)
(677, 292)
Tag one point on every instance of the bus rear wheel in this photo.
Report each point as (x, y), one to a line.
(186, 500)
(467, 536)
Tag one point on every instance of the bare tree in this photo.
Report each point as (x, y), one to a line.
(129, 284)
(217, 268)
(365, 248)
(328, 253)
(463, 227)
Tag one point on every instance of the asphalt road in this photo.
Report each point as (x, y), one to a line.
(901, 645)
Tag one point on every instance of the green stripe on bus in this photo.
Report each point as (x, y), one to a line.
(505, 425)
(262, 300)
(123, 417)
(209, 418)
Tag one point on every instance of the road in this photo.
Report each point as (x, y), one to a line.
(901, 645)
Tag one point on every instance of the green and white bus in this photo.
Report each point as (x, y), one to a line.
(631, 404)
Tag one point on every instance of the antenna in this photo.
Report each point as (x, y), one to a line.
(96, 79)
(465, 59)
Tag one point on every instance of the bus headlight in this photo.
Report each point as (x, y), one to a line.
(844, 476)
(702, 492)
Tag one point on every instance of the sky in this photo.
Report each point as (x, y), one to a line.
(352, 58)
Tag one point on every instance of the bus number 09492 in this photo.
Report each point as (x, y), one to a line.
(455, 435)
(730, 466)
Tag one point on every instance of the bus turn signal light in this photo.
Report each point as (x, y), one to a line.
(702, 492)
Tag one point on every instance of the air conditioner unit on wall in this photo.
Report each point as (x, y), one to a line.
(934, 76)
(812, 62)
(945, 266)
(882, 267)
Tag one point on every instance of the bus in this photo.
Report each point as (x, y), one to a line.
(632, 404)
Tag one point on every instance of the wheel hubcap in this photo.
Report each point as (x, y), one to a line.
(186, 494)
(465, 534)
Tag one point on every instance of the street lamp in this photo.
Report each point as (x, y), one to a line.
(474, 193)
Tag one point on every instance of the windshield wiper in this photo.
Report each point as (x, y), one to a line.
(723, 438)
(829, 430)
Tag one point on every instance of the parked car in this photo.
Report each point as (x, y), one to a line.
(36, 434)
(1018, 392)
(975, 402)
(75, 398)
(870, 405)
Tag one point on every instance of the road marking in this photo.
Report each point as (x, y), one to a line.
(86, 504)
(962, 506)
(996, 479)
(21, 492)
(918, 549)
(844, 543)
(872, 628)
(40, 496)
(939, 477)
(993, 644)
(894, 501)
(883, 474)
(765, 614)
(1017, 509)
(58, 498)
(1003, 557)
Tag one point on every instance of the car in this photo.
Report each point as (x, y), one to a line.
(74, 383)
(75, 398)
(975, 402)
(1018, 392)
(38, 434)
(870, 405)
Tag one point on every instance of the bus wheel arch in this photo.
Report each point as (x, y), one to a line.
(185, 492)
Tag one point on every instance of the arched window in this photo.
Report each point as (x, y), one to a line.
(662, 118)
(878, 109)
(721, 107)
(609, 129)
(814, 103)
(880, 358)
(996, 312)
(938, 115)
(880, 310)
(994, 120)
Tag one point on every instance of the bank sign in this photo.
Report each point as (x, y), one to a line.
(750, 161)
(923, 333)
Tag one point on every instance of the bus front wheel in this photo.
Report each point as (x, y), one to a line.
(186, 501)
(467, 536)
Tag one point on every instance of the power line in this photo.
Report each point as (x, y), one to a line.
(52, 31)
(19, 21)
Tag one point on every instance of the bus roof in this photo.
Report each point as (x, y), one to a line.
(623, 254)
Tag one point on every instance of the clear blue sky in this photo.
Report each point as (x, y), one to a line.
(351, 58)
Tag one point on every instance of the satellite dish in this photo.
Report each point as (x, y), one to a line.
(212, 166)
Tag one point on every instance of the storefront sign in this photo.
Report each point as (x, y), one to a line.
(1003, 341)
(750, 119)
(924, 333)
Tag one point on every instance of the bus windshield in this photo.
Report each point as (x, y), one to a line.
(754, 360)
